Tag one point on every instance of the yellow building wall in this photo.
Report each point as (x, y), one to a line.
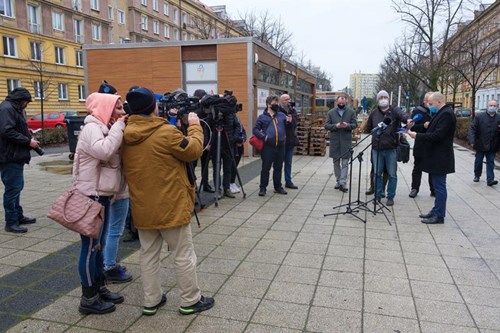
(25, 70)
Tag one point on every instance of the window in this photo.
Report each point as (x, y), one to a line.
(184, 36)
(9, 46)
(144, 23)
(96, 32)
(39, 89)
(176, 34)
(176, 16)
(78, 31)
(166, 9)
(184, 18)
(144, 2)
(94, 4)
(121, 17)
(36, 51)
(12, 84)
(156, 27)
(60, 56)
(62, 91)
(77, 5)
(6, 8)
(110, 13)
(81, 92)
(34, 19)
(166, 31)
(79, 58)
(58, 21)
(155, 5)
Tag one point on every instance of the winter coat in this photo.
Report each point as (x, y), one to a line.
(15, 136)
(274, 127)
(98, 146)
(419, 127)
(291, 136)
(484, 132)
(155, 156)
(388, 138)
(340, 138)
(437, 143)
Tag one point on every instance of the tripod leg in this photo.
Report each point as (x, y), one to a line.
(233, 163)
(217, 167)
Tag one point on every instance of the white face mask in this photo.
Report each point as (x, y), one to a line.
(383, 103)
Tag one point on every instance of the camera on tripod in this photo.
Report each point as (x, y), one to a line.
(218, 107)
(179, 100)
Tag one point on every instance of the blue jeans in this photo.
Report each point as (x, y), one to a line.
(91, 263)
(385, 159)
(117, 217)
(271, 157)
(490, 164)
(13, 180)
(439, 182)
(288, 164)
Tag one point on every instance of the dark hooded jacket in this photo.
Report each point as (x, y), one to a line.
(15, 136)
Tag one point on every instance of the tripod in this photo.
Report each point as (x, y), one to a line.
(218, 154)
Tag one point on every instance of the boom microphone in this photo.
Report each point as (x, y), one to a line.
(416, 117)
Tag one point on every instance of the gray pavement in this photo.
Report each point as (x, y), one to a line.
(276, 264)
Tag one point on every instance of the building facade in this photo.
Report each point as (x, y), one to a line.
(362, 85)
(41, 40)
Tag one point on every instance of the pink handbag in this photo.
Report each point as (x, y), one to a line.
(79, 213)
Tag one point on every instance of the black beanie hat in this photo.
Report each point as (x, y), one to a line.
(19, 94)
(106, 88)
(141, 101)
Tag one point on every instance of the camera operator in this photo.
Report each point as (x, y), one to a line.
(15, 146)
(288, 108)
(155, 157)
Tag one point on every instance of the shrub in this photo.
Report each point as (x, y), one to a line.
(52, 136)
(462, 129)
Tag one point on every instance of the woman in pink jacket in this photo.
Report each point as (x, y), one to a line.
(97, 173)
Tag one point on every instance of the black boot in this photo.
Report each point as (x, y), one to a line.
(106, 294)
(91, 302)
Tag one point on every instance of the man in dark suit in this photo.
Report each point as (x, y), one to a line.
(438, 149)
(421, 117)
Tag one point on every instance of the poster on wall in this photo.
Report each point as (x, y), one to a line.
(201, 71)
(262, 94)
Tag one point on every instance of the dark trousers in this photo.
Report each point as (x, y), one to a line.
(12, 175)
(490, 164)
(288, 164)
(416, 175)
(237, 159)
(205, 157)
(439, 208)
(272, 157)
(226, 166)
(91, 263)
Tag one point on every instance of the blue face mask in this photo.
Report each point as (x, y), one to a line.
(433, 109)
(492, 109)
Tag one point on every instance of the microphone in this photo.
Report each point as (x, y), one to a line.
(416, 117)
(381, 126)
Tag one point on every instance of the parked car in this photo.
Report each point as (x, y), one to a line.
(50, 120)
(69, 113)
(463, 112)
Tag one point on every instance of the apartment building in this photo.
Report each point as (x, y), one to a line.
(363, 85)
(42, 40)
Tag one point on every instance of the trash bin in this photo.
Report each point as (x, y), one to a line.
(75, 124)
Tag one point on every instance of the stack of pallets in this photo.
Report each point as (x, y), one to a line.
(303, 128)
(317, 141)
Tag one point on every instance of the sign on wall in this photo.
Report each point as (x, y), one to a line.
(262, 94)
(201, 71)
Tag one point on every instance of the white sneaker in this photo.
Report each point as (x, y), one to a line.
(234, 188)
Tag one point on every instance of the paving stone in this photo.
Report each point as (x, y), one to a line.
(32, 325)
(429, 274)
(436, 291)
(119, 320)
(220, 266)
(383, 268)
(212, 239)
(290, 292)
(458, 251)
(312, 248)
(250, 232)
(249, 287)
(339, 298)
(422, 259)
(210, 281)
(382, 234)
(203, 324)
(383, 244)
(257, 270)
(233, 307)
(333, 320)
(258, 328)
(163, 321)
(274, 244)
(475, 278)
(481, 295)
(444, 312)
(6, 251)
(390, 305)
(387, 285)
(384, 255)
(486, 317)
(343, 264)
(281, 314)
(419, 247)
(428, 327)
(374, 323)
(304, 260)
(22, 258)
(266, 256)
(341, 279)
(25, 277)
(229, 252)
(472, 264)
(247, 242)
(298, 274)
(49, 245)
(345, 251)
(26, 301)
(347, 240)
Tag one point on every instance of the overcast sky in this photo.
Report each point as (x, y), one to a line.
(341, 36)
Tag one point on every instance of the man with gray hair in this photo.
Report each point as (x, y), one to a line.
(288, 108)
(386, 120)
(439, 159)
(484, 136)
(341, 121)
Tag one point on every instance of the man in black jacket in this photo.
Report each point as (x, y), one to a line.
(15, 146)
(420, 118)
(291, 138)
(385, 139)
(438, 151)
(483, 136)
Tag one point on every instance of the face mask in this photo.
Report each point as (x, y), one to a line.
(492, 109)
(275, 107)
(383, 103)
(341, 106)
(433, 109)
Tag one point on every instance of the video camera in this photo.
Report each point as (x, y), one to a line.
(179, 100)
(217, 107)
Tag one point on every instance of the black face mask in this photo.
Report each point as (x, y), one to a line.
(341, 106)
(275, 107)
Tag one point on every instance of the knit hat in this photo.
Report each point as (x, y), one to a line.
(382, 93)
(106, 88)
(141, 101)
(19, 94)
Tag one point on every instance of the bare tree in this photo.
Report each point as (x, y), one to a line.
(476, 55)
(205, 26)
